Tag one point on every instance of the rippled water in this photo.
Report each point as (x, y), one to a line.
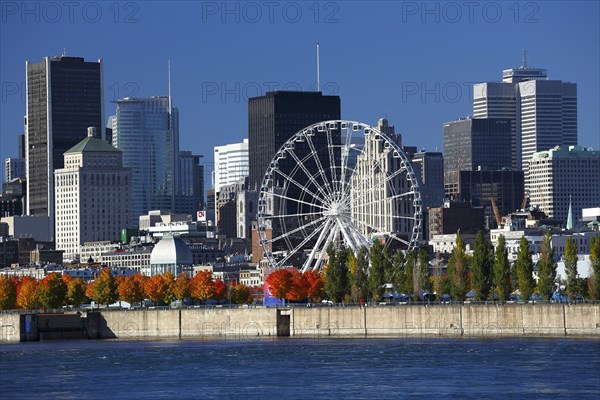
(303, 369)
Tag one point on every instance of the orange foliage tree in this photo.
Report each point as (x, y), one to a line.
(8, 293)
(156, 288)
(27, 293)
(280, 282)
(76, 289)
(129, 290)
(316, 285)
(169, 280)
(182, 286)
(219, 290)
(52, 291)
(240, 294)
(299, 289)
(202, 286)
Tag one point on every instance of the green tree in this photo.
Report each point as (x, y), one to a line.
(358, 267)
(438, 277)
(574, 286)
(594, 278)
(407, 278)
(240, 294)
(336, 275)
(482, 266)
(52, 291)
(458, 269)
(421, 274)
(377, 271)
(105, 288)
(8, 293)
(399, 277)
(76, 291)
(525, 270)
(546, 268)
(502, 278)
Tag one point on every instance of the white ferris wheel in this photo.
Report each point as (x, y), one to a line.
(337, 183)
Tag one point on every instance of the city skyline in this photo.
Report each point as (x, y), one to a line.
(411, 83)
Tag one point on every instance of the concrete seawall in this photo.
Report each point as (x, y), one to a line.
(474, 321)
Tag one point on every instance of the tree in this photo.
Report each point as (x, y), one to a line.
(202, 286)
(219, 290)
(407, 273)
(525, 270)
(240, 294)
(76, 291)
(336, 274)
(27, 293)
(316, 286)
(358, 270)
(280, 282)
(458, 269)
(299, 289)
(574, 286)
(481, 267)
(52, 291)
(182, 286)
(502, 278)
(169, 280)
(8, 293)
(129, 289)
(377, 271)
(421, 281)
(156, 288)
(594, 278)
(438, 278)
(547, 268)
(105, 288)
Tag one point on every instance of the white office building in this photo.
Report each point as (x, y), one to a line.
(231, 164)
(92, 195)
(14, 168)
(563, 176)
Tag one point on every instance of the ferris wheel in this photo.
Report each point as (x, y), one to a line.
(337, 183)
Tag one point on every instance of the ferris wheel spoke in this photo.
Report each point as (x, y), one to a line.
(301, 245)
(332, 164)
(281, 196)
(304, 188)
(384, 200)
(317, 245)
(315, 157)
(310, 176)
(298, 229)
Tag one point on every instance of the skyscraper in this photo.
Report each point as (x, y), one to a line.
(146, 130)
(275, 117)
(190, 195)
(93, 195)
(231, 164)
(64, 98)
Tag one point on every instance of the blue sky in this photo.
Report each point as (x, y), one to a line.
(413, 62)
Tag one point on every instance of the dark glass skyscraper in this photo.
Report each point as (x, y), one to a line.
(64, 98)
(275, 117)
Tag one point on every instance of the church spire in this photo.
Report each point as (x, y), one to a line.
(570, 215)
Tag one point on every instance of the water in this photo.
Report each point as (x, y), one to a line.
(303, 369)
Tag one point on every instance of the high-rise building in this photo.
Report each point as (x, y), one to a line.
(146, 130)
(275, 117)
(64, 98)
(543, 112)
(190, 196)
(231, 164)
(429, 170)
(14, 168)
(93, 195)
(563, 175)
(472, 143)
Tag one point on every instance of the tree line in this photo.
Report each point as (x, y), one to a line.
(56, 291)
(350, 277)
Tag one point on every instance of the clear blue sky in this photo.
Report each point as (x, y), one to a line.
(413, 62)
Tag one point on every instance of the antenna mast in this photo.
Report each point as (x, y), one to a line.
(169, 72)
(524, 59)
(318, 69)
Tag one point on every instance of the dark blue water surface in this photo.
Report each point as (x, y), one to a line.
(303, 369)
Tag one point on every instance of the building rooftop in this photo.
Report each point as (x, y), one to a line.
(91, 144)
(566, 152)
(171, 250)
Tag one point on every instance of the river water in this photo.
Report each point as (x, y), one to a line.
(289, 368)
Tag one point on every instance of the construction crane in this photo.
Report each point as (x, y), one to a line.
(496, 212)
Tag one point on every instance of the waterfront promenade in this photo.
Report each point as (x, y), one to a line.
(448, 320)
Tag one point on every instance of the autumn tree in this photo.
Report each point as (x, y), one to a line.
(156, 288)
(8, 293)
(546, 268)
(169, 280)
(300, 286)
(524, 267)
(202, 286)
(502, 278)
(481, 267)
(240, 294)
(76, 291)
(182, 286)
(105, 288)
(337, 285)
(377, 271)
(219, 290)
(316, 285)
(129, 290)
(52, 291)
(458, 269)
(280, 282)
(594, 277)
(27, 293)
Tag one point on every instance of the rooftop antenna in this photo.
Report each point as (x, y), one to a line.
(524, 59)
(318, 68)
(169, 72)
(64, 52)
